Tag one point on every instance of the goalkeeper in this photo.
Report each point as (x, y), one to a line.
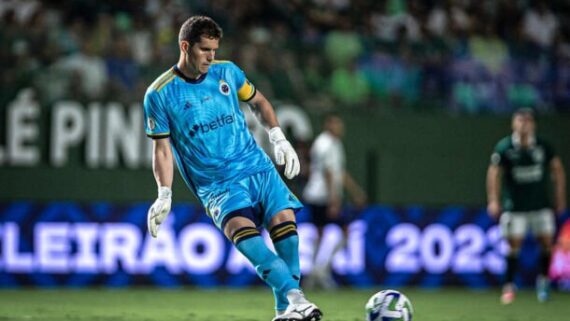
(192, 113)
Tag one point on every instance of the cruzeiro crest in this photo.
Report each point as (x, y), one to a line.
(224, 87)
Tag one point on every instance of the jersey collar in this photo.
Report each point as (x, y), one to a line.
(179, 73)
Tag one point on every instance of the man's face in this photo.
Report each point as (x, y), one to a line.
(201, 54)
(523, 124)
(336, 126)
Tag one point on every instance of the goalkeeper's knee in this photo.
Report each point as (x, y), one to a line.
(243, 234)
(283, 230)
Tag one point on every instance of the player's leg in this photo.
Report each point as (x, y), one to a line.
(319, 219)
(279, 205)
(231, 208)
(543, 226)
(323, 265)
(243, 233)
(512, 261)
(513, 226)
(283, 231)
(542, 279)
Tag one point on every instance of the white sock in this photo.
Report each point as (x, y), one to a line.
(279, 312)
(296, 296)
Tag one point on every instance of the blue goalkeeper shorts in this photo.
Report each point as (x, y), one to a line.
(258, 197)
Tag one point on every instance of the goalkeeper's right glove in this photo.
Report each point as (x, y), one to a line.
(159, 210)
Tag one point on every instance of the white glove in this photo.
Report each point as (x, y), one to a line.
(159, 210)
(284, 152)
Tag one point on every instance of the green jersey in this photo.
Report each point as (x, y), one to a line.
(526, 173)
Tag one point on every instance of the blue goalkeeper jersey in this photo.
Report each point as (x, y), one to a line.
(208, 132)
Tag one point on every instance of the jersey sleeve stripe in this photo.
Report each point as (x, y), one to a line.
(247, 91)
(169, 79)
(159, 135)
(162, 80)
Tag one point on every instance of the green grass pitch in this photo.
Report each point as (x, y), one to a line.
(191, 304)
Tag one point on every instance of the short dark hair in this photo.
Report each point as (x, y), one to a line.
(524, 111)
(197, 26)
(332, 114)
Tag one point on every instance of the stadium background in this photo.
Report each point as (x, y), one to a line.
(426, 88)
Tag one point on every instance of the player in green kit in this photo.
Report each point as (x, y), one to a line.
(192, 113)
(522, 167)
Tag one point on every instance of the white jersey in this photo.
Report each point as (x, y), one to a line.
(327, 153)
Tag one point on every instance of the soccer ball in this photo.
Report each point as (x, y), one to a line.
(389, 305)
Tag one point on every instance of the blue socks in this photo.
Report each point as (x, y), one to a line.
(286, 242)
(272, 269)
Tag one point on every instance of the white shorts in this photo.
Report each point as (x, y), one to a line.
(517, 224)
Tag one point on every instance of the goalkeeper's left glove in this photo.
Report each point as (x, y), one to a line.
(284, 152)
(159, 210)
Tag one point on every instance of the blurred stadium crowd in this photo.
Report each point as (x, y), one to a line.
(462, 56)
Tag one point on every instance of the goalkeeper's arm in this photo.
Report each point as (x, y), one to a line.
(162, 168)
(263, 111)
(284, 152)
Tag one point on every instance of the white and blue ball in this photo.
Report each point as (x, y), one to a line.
(389, 305)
